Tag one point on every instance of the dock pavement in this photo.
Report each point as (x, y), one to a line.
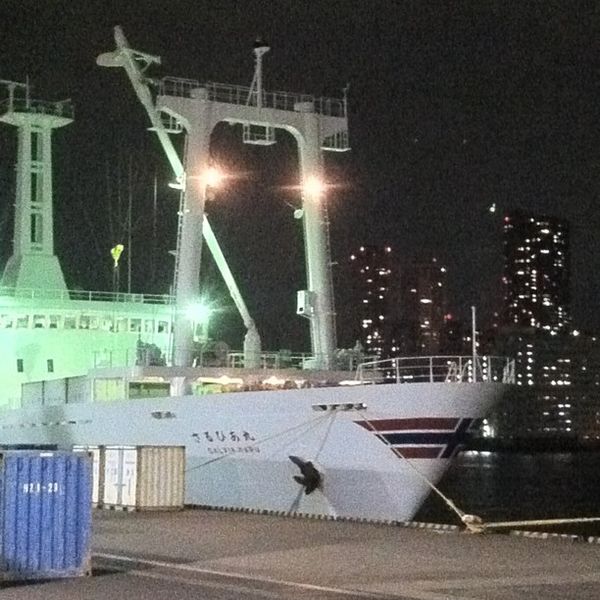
(207, 555)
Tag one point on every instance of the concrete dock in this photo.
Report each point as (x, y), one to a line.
(224, 555)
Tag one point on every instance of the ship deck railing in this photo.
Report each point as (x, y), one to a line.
(284, 359)
(245, 96)
(84, 295)
(412, 369)
(438, 369)
(63, 108)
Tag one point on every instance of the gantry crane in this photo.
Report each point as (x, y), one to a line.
(317, 124)
(135, 64)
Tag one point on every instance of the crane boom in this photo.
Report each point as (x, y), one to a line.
(132, 60)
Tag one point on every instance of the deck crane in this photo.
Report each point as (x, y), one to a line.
(135, 64)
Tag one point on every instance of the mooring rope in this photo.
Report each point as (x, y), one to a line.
(313, 424)
(326, 436)
(540, 522)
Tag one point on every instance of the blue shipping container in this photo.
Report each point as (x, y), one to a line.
(45, 514)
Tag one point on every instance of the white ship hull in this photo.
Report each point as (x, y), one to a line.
(238, 444)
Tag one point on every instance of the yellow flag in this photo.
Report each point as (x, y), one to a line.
(116, 253)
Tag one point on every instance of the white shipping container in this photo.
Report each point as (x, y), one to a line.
(144, 477)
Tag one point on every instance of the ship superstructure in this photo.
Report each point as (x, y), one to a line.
(46, 330)
(49, 331)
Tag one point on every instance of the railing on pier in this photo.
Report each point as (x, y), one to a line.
(244, 95)
(438, 369)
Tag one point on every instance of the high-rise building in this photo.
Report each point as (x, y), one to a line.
(557, 396)
(557, 368)
(371, 274)
(398, 308)
(420, 325)
(536, 272)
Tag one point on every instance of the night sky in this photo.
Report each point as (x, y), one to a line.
(454, 106)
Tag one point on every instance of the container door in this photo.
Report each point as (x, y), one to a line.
(129, 476)
(95, 474)
(112, 475)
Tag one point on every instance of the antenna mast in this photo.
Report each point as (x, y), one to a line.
(253, 133)
(256, 88)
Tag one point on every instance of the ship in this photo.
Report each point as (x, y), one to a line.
(328, 433)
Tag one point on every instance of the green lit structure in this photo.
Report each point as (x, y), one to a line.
(46, 330)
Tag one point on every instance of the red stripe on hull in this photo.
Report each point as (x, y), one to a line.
(418, 452)
(425, 423)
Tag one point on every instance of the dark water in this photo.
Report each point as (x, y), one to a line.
(511, 486)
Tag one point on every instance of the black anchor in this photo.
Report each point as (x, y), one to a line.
(311, 478)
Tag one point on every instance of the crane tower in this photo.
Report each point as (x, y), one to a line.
(317, 124)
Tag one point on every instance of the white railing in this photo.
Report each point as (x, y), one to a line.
(64, 108)
(273, 360)
(66, 295)
(244, 95)
(438, 369)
